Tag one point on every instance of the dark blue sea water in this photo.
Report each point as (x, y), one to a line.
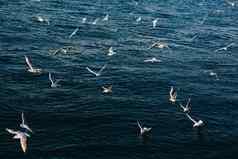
(77, 121)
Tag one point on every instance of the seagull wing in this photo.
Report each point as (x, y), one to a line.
(102, 69)
(50, 78)
(191, 118)
(139, 125)
(28, 63)
(22, 117)
(74, 32)
(182, 106)
(171, 91)
(187, 105)
(11, 131)
(91, 71)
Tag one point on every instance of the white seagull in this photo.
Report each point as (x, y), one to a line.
(187, 108)
(153, 59)
(106, 18)
(111, 52)
(84, 20)
(54, 84)
(97, 73)
(138, 19)
(154, 22)
(23, 124)
(107, 89)
(173, 95)
(230, 3)
(31, 69)
(20, 135)
(42, 20)
(73, 33)
(143, 130)
(225, 47)
(198, 123)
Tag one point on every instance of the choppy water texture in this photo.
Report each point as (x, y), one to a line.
(77, 121)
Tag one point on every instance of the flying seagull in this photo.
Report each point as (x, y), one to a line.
(187, 108)
(111, 52)
(95, 21)
(225, 48)
(153, 59)
(53, 84)
(143, 130)
(97, 73)
(23, 124)
(173, 95)
(154, 22)
(31, 69)
(20, 135)
(198, 123)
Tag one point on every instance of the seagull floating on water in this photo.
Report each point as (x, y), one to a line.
(154, 22)
(160, 45)
(53, 84)
(153, 59)
(173, 95)
(84, 20)
(97, 73)
(106, 18)
(42, 19)
(107, 89)
(20, 135)
(31, 69)
(143, 130)
(64, 50)
(187, 108)
(138, 19)
(225, 47)
(23, 124)
(111, 52)
(73, 33)
(198, 123)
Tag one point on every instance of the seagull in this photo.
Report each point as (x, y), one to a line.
(42, 20)
(23, 124)
(173, 95)
(20, 135)
(84, 20)
(198, 123)
(143, 130)
(111, 52)
(138, 19)
(97, 73)
(230, 3)
(160, 45)
(106, 18)
(225, 47)
(153, 59)
(31, 69)
(53, 84)
(187, 108)
(64, 50)
(73, 33)
(107, 89)
(154, 22)
(95, 21)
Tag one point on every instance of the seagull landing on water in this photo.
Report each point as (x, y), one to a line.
(30, 67)
(96, 73)
(198, 123)
(153, 59)
(111, 52)
(106, 18)
(225, 48)
(187, 108)
(53, 84)
(73, 33)
(143, 130)
(20, 135)
(154, 22)
(173, 95)
(107, 89)
(23, 124)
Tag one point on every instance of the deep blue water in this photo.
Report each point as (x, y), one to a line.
(77, 121)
